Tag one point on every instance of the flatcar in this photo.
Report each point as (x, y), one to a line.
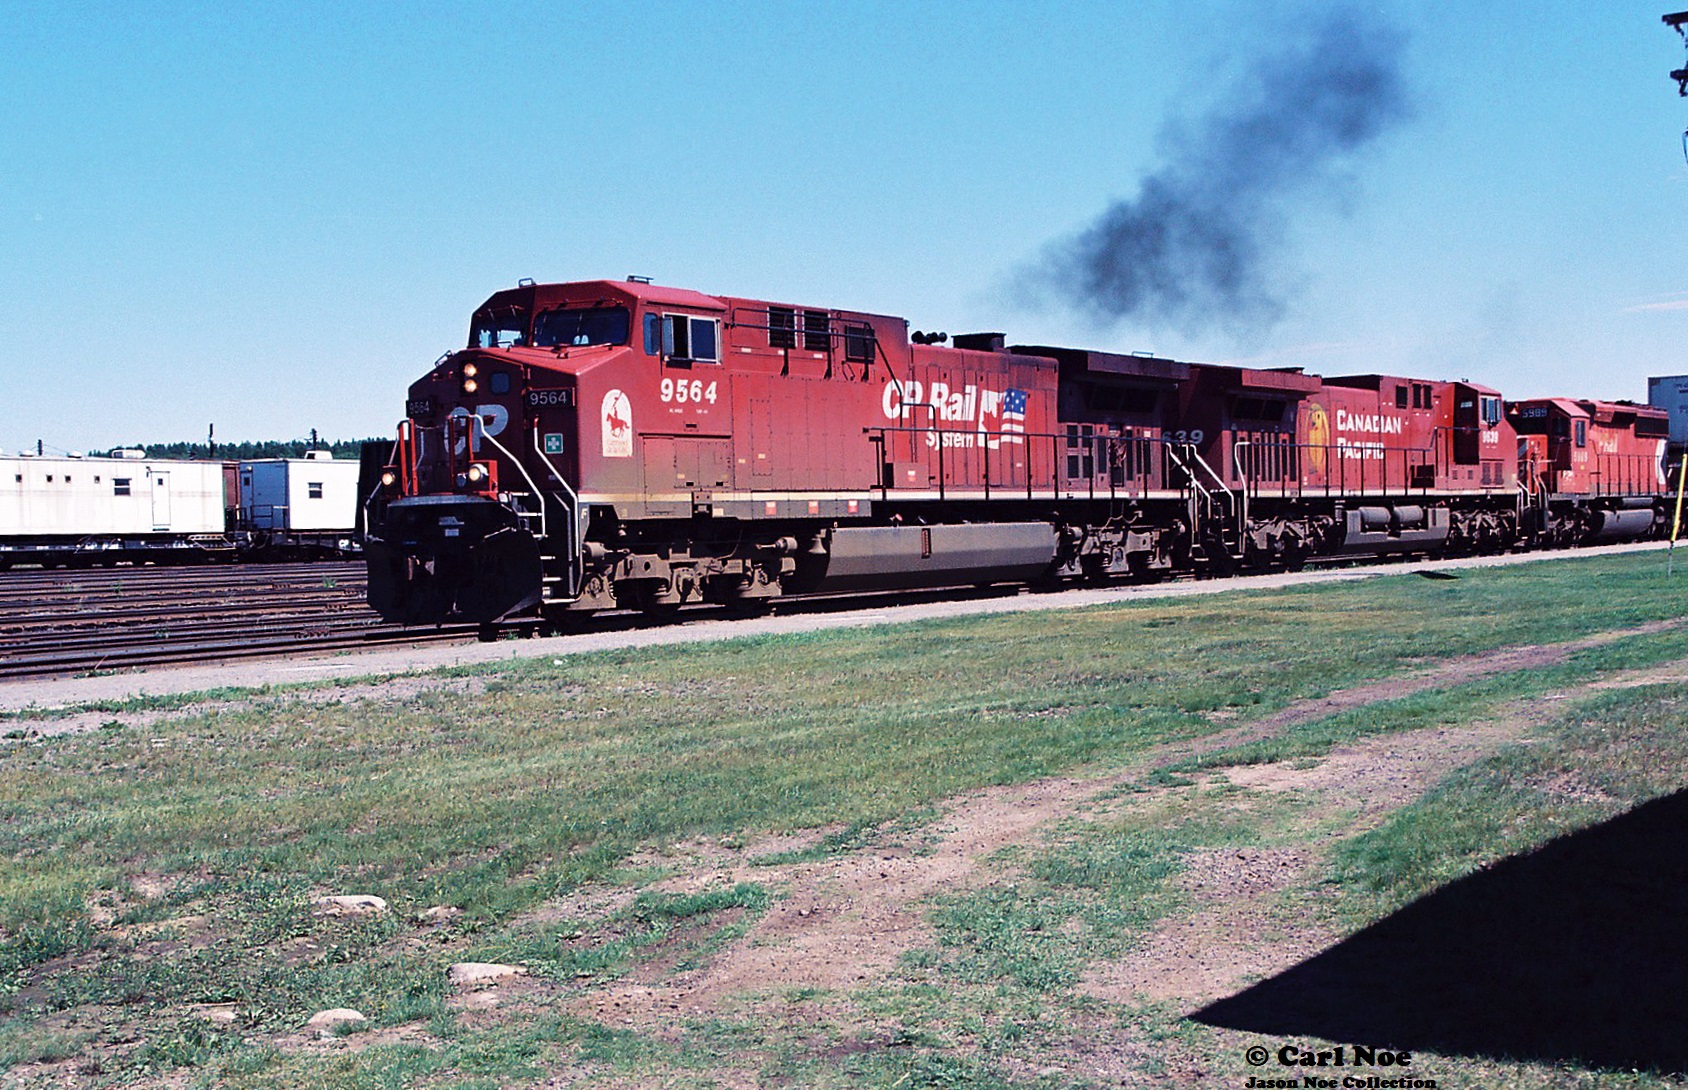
(81, 511)
(605, 444)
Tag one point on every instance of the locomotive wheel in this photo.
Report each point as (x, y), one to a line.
(1141, 571)
(567, 622)
(651, 598)
(749, 607)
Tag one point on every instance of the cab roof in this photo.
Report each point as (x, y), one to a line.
(540, 296)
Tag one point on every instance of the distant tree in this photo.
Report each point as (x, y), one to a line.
(248, 450)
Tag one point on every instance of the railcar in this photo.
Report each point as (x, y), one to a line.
(1591, 469)
(296, 508)
(607, 444)
(82, 511)
(1360, 465)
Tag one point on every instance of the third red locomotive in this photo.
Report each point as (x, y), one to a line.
(607, 444)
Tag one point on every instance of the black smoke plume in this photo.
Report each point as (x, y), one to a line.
(1196, 244)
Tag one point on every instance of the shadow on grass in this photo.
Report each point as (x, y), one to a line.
(1576, 952)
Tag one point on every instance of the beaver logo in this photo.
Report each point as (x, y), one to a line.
(617, 416)
(1318, 437)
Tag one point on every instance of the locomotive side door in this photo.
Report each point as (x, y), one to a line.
(1467, 426)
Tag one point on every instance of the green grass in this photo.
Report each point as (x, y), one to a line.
(1092, 892)
(558, 771)
(653, 919)
(1450, 705)
(1614, 751)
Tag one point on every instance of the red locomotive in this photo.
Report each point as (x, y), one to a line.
(1592, 466)
(604, 444)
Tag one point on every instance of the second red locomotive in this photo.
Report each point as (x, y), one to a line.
(604, 444)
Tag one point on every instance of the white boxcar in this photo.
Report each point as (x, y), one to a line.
(63, 510)
(80, 497)
(310, 495)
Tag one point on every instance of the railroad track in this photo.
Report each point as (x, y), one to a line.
(73, 622)
(108, 620)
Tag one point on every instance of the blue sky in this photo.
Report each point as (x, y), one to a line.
(272, 217)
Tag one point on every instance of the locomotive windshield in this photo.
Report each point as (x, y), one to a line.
(499, 329)
(581, 326)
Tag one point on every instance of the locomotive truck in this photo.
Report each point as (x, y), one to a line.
(606, 444)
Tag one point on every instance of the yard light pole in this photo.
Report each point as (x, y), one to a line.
(1676, 517)
(1675, 21)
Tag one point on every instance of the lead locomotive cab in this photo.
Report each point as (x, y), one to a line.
(478, 482)
(532, 465)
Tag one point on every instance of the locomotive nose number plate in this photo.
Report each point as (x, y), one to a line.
(541, 399)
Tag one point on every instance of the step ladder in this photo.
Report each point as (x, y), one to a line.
(1217, 512)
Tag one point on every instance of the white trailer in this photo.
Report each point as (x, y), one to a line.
(300, 504)
(56, 510)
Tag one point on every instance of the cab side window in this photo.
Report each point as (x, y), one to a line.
(687, 340)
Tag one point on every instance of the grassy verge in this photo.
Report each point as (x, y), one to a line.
(147, 871)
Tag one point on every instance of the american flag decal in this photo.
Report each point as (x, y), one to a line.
(1013, 416)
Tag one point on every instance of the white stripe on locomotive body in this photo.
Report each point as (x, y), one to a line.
(1006, 494)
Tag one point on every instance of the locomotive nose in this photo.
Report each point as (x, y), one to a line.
(452, 559)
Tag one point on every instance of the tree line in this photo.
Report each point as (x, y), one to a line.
(251, 450)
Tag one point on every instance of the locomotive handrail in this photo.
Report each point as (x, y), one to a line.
(1195, 517)
(400, 439)
(879, 350)
(838, 328)
(577, 570)
(877, 436)
(409, 451)
(1242, 475)
(522, 469)
(1230, 496)
(1526, 497)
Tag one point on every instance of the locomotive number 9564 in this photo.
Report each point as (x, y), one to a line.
(679, 391)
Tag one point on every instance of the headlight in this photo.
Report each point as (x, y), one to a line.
(389, 478)
(477, 474)
(470, 370)
(470, 386)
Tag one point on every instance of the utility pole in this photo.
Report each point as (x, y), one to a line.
(1675, 21)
